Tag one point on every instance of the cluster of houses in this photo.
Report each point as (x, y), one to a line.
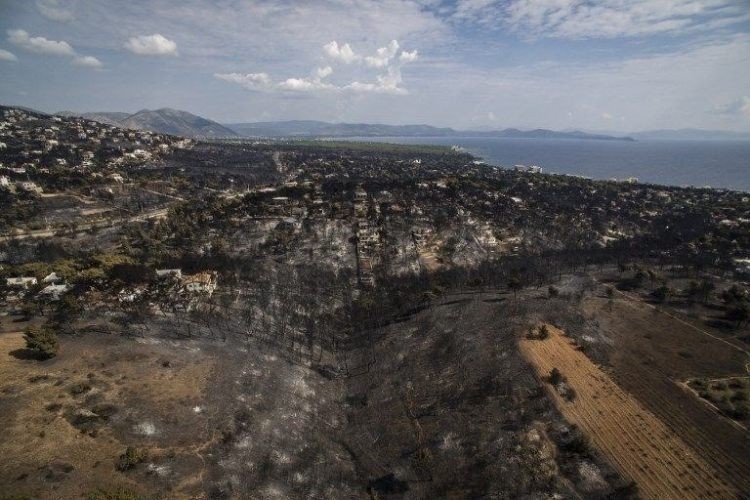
(202, 283)
(50, 143)
(53, 285)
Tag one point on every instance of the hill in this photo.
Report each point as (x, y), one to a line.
(163, 121)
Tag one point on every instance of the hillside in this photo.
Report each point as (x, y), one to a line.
(163, 121)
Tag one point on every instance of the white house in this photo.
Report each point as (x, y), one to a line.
(54, 291)
(51, 278)
(21, 281)
(169, 273)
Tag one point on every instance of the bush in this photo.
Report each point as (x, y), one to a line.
(132, 457)
(555, 377)
(543, 332)
(42, 340)
(118, 494)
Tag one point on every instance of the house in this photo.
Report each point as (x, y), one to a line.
(54, 291)
(205, 282)
(22, 281)
(30, 187)
(51, 278)
(169, 273)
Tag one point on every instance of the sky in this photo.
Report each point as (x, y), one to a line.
(600, 65)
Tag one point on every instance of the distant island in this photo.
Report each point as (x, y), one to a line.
(312, 128)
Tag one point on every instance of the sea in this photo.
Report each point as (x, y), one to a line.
(717, 164)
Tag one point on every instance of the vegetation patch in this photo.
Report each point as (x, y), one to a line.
(731, 396)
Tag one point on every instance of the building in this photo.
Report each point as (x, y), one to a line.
(21, 281)
(53, 292)
(52, 278)
(169, 273)
(205, 282)
(30, 187)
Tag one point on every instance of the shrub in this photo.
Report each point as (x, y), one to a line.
(42, 340)
(543, 332)
(555, 377)
(118, 494)
(132, 457)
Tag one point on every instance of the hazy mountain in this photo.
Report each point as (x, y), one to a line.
(310, 128)
(164, 121)
(690, 134)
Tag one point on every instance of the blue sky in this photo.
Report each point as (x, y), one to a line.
(610, 65)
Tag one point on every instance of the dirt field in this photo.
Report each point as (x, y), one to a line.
(641, 446)
(67, 420)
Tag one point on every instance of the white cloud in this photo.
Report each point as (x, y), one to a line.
(304, 85)
(323, 72)
(7, 56)
(151, 45)
(388, 83)
(383, 55)
(51, 10)
(343, 53)
(87, 62)
(250, 81)
(408, 57)
(39, 45)
(386, 58)
(607, 116)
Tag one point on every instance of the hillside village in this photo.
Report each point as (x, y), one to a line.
(331, 312)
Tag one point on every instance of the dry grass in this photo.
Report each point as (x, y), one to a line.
(60, 450)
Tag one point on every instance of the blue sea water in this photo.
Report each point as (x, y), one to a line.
(719, 164)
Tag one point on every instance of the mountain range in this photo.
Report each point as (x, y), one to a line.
(311, 128)
(182, 123)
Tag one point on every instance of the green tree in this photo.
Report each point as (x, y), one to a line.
(42, 340)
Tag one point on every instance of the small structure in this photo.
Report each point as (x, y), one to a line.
(52, 278)
(205, 282)
(21, 281)
(54, 291)
(30, 187)
(169, 273)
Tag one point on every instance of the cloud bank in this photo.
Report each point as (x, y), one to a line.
(388, 59)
